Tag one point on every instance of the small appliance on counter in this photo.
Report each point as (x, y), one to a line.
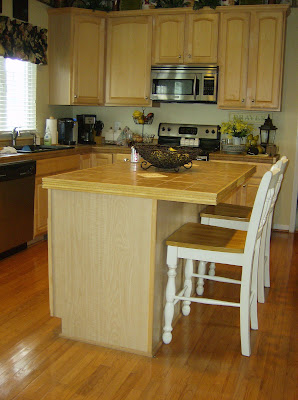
(86, 128)
(67, 131)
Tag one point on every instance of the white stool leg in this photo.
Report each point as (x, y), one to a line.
(211, 269)
(254, 286)
(170, 294)
(267, 253)
(245, 315)
(260, 254)
(200, 284)
(187, 286)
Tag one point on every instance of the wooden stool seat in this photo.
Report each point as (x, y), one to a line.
(227, 211)
(206, 237)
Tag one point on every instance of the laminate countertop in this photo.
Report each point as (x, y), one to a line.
(205, 183)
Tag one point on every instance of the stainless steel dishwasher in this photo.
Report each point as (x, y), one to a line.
(17, 183)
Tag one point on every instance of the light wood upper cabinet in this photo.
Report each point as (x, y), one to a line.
(233, 59)
(251, 55)
(128, 60)
(185, 39)
(201, 38)
(168, 39)
(76, 57)
(265, 70)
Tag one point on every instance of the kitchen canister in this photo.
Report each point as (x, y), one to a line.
(51, 127)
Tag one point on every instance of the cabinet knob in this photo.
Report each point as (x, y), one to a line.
(189, 56)
(146, 98)
(75, 96)
(253, 101)
(179, 56)
(125, 159)
(244, 186)
(242, 101)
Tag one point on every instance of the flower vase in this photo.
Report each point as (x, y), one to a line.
(236, 141)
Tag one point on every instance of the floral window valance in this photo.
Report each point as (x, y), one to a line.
(23, 41)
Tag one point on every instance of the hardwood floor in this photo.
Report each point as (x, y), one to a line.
(203, 360)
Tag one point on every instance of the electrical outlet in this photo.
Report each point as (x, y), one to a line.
(117, 125)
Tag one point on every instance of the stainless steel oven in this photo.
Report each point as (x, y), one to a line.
(183, 83)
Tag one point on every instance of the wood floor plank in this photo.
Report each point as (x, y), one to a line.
(203, 361)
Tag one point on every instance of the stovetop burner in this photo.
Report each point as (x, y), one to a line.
(206, 137)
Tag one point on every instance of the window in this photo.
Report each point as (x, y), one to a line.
(17, 95)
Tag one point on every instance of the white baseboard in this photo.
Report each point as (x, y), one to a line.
(281, 227)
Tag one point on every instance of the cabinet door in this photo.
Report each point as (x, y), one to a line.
(168, 39)
(129, 61)
(201, 38)
(101, 159)
(86, 161)
(40, 209)
(233, 60)
(266, 55)
(118, 157)
(88, 60)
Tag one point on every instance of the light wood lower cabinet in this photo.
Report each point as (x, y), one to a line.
(101, 159)
(44, 168)
(245, 195)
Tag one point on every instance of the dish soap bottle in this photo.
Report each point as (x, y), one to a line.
(47, 140)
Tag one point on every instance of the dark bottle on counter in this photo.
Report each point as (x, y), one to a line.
(116, 5)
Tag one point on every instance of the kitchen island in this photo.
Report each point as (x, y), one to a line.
(107, 256)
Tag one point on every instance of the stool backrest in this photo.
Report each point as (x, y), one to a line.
(261, 208)
(282, 165)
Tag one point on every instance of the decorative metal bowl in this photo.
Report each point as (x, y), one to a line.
(167, 157)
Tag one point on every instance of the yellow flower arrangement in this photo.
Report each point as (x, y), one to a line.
(236, 128)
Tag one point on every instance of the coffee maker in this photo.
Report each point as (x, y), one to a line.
(67, 131)
(86, 128)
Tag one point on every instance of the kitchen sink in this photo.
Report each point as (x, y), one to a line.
(36, 148)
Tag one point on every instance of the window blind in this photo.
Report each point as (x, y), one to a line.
(17, 95)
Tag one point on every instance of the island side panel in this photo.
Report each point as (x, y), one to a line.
(101, 258)
(170, 216)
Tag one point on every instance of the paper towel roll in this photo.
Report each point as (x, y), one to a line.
(51, 123)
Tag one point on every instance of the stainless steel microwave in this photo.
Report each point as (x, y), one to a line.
(184, 83)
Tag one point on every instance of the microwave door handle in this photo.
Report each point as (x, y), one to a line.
(195, 87)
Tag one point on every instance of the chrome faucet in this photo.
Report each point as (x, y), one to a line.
(34, 137)
(15, 133)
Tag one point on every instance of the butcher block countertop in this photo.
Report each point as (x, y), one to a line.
(204, 183)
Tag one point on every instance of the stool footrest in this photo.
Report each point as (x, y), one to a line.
(217, 278)
(208, 301)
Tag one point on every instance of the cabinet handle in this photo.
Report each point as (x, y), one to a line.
(189, 56)
(125, 159)
(146, 98)
(244, 186)
(242, 101)
(252, 101)
(75, 96)
(179, 56)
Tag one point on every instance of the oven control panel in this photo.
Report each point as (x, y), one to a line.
(189, 131)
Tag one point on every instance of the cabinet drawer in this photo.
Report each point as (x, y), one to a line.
(57, 165)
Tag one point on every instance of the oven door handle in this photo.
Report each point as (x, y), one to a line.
(195, 87)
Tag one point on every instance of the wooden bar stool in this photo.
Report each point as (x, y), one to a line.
(205, 243)
(238, 217)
